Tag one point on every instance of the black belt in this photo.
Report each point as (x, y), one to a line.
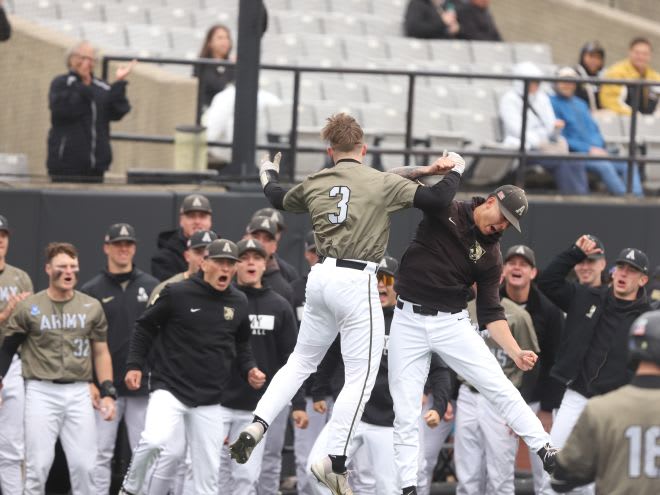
(355, 265)
(58, 382)
(472, 388)
(422, 310)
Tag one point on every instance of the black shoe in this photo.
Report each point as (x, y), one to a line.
(409, 490)
(548, 456)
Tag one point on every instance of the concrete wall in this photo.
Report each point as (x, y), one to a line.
(30, 60)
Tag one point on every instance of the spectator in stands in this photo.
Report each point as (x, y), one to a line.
(82, 107)
(5, 27)
(619, 98)
(477, 22)
(214, 78)
(431, 19)
(543, 132)
(592, 60)
(583, 136)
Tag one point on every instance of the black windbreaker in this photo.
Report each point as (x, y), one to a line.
(169, 260)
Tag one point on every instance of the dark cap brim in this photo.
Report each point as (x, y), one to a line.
(120, 239)
(633, 264)
(511, 218)
(223, 256)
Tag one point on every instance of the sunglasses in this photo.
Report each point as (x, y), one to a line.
(385, 278)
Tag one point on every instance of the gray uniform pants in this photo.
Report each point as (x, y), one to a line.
(304, 441)
(271, 464)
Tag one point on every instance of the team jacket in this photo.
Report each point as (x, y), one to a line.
(124, 298)
(289, 273)
(379, 409)
(580, 344)
(275, 278)
(273, 337)
(169, 260)
(79, 139)
(201, 332)
(447, 255)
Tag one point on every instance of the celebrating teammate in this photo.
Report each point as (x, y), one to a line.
(455, 246)
(350, 205)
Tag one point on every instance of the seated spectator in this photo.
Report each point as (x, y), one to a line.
(592, 60)
(431, 19)
(476, 22)
(543, 131)
(583, 136)
(618, 97)
(5, 27)
(214, 78)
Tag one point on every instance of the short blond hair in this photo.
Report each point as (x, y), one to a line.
(342, 132)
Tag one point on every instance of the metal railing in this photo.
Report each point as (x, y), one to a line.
(522, 154)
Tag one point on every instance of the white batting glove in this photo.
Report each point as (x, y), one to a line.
(458, 161)
(269, 171)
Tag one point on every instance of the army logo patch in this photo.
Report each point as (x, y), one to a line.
(476, 251)
(34, 310)
(229, 313)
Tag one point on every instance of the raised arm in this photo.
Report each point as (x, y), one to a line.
(269, 175)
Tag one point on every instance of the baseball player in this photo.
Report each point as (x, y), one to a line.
(289, 273)
(195, 331)
(615, 440)
(273, 338)
(484, 446)
(592, 358)
(455, 246)
(349, 205)
(123, 290)
(15, 285)
(62, 334)
(591, 270)
(194, 214)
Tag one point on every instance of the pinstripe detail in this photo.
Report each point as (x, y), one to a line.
(366, 378)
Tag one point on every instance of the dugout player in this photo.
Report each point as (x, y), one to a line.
(15, 285)
(62, 334)
(484, 446)
(273, 338)
(289, 273)
(349, 204)
(455, 246)
(615, 441)
(590, 270)
(123, 290)
(593, 356)
(195, 331)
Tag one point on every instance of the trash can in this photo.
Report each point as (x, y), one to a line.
(190, 148)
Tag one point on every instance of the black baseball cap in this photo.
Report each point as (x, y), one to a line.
(251, 245)
(635, 258)
(388, 266)
(275, 215)
(513, 203)
(223, 249)
(599, 245)
(120, 232)
(523, 251)
(196, 202)
(4, 224)
(310, 241)
(262, 224)
(201, 239)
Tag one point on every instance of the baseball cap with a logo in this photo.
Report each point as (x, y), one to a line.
(120, 232)
(251, 245)
(513, 203)
(310, 241)
(4, 224)
(275, 215)
(262, 224)
(635, 258)
(599, 245)
(201, 239)
(223, 248)
(196, 202)
(388, 265)
(523, 251)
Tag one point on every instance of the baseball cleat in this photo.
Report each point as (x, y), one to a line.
(241, 449)
(337, 483)
(124, 492)
(548, 455)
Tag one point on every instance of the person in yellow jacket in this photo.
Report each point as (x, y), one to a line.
(618, 97)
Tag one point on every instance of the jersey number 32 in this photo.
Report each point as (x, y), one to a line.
(345, 196)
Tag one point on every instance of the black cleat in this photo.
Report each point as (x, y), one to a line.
(409, 490)
(548, 456)
(242, 448)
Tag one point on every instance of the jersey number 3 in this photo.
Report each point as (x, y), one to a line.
(644, 451)
(345, 194)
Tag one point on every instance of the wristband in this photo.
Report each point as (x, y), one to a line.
(107, 389)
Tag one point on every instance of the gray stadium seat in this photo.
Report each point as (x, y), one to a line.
(81, 11)
(279, 118)
(62, 26)
(478, 128)
(365, 48)
(293, 22)
(354, 6)
(408, 49)
(539, 53)
(310, 89)
(323, 46)
(31, 9)
(434, 96)
(125, 12)
(276, 47)
(205, 18)
(106, 35)
(338, 23)
(479, 99)
(186, 42)
(343, 90)
(375, 26)
(324, 109)
(611, 127)
(489, 52)
(279, 5)
(494, 68)
(389, 9)
(307, 5)
(148, 40)
(171, 17)
(14, 167)
(394, 96)
(453, 52)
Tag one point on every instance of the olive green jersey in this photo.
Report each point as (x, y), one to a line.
(58, 335)
(13, 281)
(616, 442)
(157, 290)
(522, 330)
(350, 205)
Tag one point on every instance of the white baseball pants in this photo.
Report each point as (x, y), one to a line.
(534, 460)
(412, 339)
(303, 441)
(271, 463)
(240, 479)
(569, 411)
(168, 473)
(434, 440)
(204, 426)
(133, 411)
(483, 440)
(12, 444)
(343, 300)
(64, 411)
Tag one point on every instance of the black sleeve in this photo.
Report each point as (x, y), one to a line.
(423, 21)
(299, 403)
(8, 349)
(5, 27)
(552, 281)
(244, 356)
(118, 104)
(489, 305)
(440, 381)
(321, 387)
(552, 389)
(69, 99)
(439, 196)
(287, 335)
(562, 480)
(147, 327)
(275, 194)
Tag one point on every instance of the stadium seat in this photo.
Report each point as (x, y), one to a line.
(76, 11)
(477, 128)
(408, 49)
(376, 26)
(365, 49)
(434, 96)
(279, 5)
(338, 23)
(323, 46)
(307, 5)
(539, 53)
(478, 99)
(106, 35)
(352, 6)
(148, 40)
(445, 51)
(123, 13)
(278, 118)
(62, 26)
(389, 9)
(310, 89)
(611, 127)
(186, 42)
(32, 9)
(277, 47)
(487, 52)
(170, 17)
(344, 90)
(387, 95)
(285, 22)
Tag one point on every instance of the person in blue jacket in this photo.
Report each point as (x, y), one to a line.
(583, 136)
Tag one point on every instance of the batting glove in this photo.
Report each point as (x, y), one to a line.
(458, 161)
(269, 171)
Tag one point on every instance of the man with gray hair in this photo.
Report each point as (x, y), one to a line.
(82, 107)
